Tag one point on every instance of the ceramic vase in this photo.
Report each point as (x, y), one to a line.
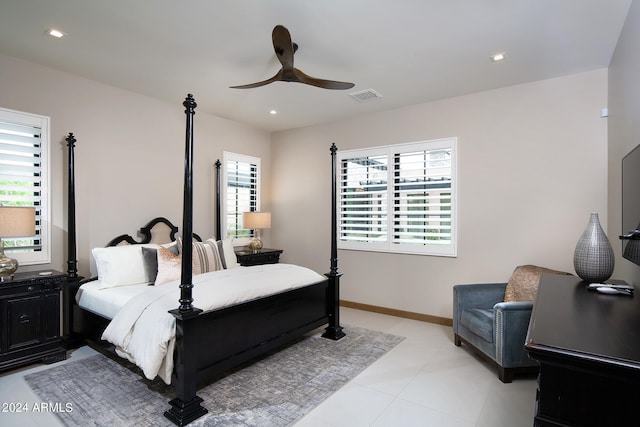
(593, 258)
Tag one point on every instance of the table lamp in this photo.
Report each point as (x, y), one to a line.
(15, 221)
(256, 221)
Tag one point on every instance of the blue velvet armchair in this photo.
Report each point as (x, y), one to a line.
(496, 329)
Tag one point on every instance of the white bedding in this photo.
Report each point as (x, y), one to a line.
(144, 332)
(107, 301)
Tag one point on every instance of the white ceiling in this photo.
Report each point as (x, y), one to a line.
(410, 51)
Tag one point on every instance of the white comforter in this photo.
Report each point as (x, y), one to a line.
(144, 332)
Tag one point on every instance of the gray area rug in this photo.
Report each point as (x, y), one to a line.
(276, 390)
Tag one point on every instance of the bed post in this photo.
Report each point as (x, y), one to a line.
(186, 406)
(334, 330)
(72, 262)
(218, 195)
(70, 288)
(186, 300)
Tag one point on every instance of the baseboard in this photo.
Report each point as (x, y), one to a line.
(398, 313)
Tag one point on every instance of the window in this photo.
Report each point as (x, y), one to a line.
(24, 180)
(241, 192)
(399, 198)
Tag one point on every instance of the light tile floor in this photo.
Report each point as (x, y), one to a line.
(424, 381)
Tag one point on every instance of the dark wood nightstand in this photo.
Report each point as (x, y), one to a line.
(247, 257)
(31, 319)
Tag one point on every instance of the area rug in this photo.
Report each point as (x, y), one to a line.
(276, 390)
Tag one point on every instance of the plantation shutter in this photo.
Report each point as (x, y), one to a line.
(242, 181)
(363, 198)
(398, 198)
(422, 197)
(21, 177)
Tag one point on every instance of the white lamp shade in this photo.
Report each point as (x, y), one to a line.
(17, 221)
(253, 220)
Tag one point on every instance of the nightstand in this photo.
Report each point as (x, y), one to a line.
(247, 257)
(31, 319)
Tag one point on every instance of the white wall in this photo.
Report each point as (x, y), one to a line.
(624, 128)
(129, 154)
(532, 166)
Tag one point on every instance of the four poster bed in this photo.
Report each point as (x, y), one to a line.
(211, 334)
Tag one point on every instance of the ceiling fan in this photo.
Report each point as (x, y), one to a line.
(288, 73)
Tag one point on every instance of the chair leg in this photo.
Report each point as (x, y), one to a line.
(456, 340)
(505, 374)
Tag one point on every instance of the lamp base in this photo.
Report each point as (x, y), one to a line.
(255, 244)
(8, 267)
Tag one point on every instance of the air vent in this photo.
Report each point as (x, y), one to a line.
(365, 95)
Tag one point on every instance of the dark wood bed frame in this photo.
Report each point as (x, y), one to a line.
(208, 344)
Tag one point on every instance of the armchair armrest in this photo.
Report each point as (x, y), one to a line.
(470, 296)
(511, 323)
(481, 295)
(512, 307)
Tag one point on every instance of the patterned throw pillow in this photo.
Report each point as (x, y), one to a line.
(205, 257)
(150, 259)
(523, 283)
(169, 266)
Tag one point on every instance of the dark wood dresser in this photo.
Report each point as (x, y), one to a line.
(31, 319)
(588, 346)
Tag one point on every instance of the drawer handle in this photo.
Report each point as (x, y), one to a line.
(31, 288)
(25, 319)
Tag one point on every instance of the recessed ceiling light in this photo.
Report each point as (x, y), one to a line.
(273, 112)
(498, 57)
(55, 33)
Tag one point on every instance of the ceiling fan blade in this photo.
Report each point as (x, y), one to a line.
(283, 46)
(321, 83)
(275, 78)
(285, 49)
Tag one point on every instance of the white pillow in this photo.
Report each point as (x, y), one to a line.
(230, 259)
(120, 266)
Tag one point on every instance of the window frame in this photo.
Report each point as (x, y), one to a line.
(389, 203)
(228, 156)
(43, 219)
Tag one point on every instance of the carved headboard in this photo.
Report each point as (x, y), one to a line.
(159, 230)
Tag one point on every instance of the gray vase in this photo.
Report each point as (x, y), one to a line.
(593, 258)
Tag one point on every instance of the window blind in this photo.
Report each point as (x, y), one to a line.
(399, 198)
(242, 192)
(22, 178)
(363, 198)
(422, 197)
